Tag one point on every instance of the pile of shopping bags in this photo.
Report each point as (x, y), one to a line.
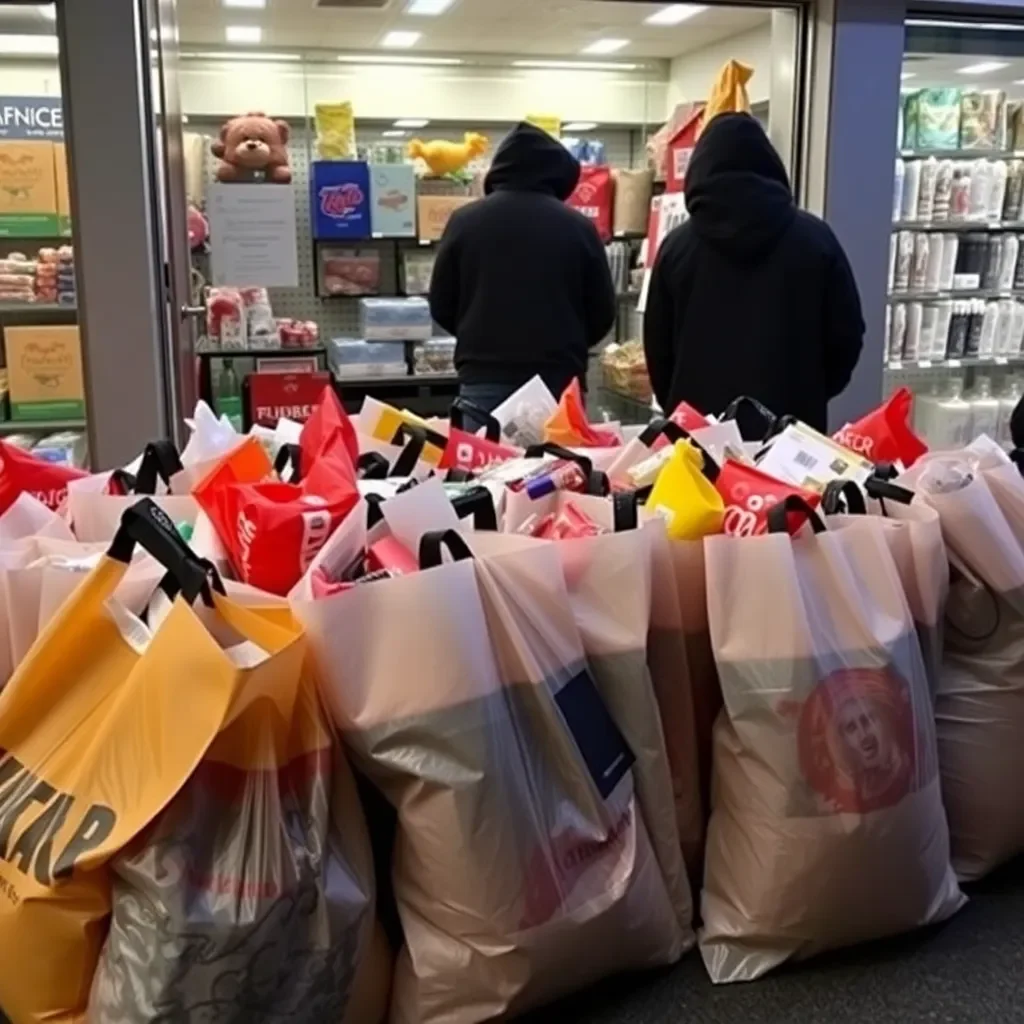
(717, 681)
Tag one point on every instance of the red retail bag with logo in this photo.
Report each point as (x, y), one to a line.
(885, 435)
(467, 451)
(327, 430)
(24, 473)
(749, 494)
(593, 198)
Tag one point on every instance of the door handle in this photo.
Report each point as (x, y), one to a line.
(192, 312)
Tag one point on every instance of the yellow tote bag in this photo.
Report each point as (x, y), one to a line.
(685, 498)
(729, 93)
(100, 726)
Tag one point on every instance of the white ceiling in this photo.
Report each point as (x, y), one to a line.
(553, 28)
(944, 70)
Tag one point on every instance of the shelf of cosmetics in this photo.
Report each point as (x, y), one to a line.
(933, 265)
(947, 416)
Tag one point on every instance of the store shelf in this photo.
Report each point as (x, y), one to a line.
(949, 226)
(418, 380)
(33, 426)
(10, 311)
(977, 293)
(260, 353)
(962, 154)
(954, 364)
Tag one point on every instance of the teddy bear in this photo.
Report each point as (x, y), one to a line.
(253, 148)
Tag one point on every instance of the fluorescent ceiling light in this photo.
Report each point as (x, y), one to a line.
(234, 55)
(48, 11)
(674, 14)
(243, 34)
(576, 65)
(984, 68)
(249, 5)
(429, 7)
(412, 122)
(36, 46)
(380, 58)
(601, 46)
(579, 126)
(908, 74)
(400, 40)
(986, 26)
(392, 134)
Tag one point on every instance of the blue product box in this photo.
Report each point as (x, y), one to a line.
(340, 199)
(393, 200)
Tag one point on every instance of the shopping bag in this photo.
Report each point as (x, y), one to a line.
(749, 494)
(381, 422)
(24, 473)
(827, 826)
(979, 707)
(259, 871)
(684, 496)
(100, 726)
(328, 429)
(521, 861)
(568, 424)
(885, 435)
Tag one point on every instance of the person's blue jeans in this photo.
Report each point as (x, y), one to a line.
(487, 396)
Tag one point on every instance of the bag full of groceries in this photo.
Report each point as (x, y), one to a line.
(523, 869)
(827, 825)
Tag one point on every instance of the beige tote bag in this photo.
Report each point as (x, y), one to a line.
(522, 868)
(827, 826)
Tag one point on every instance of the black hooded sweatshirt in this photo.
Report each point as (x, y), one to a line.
(750, 296)
(520, 279)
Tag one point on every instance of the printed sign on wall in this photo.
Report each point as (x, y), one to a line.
(31, 117)
(340, 199)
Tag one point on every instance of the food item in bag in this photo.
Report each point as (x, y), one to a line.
(335, 131)
(23, 473)
(884, 435)
(749, 493)
(569, 426)
(685, 498)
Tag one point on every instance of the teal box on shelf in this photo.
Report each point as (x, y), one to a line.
(392, 200)
(340, 199)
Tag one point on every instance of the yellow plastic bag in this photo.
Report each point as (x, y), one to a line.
(685, 498)
(100, 726)
(335, 131)
(729, 93)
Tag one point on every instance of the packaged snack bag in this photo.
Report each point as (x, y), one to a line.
(23, 473)
(685, 497)
(884, 435)
(335, 131)
(749, 494)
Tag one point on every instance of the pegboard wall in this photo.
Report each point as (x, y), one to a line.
(339, 316)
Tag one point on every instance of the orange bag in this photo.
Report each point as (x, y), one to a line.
(568, 424)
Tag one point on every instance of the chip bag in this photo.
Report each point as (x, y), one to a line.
(884, 435)
(24, 473)
(685, 498)
(568, 424)
(749, 494)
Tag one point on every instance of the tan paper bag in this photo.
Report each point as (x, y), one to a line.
(827, 826)
(522, 869)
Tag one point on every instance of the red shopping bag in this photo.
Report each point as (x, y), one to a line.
(467, 451)
(593, 198)
(884, 435)
(749, 494)
(22, 472)
(568, 424)
(685, 416)
(328, 429)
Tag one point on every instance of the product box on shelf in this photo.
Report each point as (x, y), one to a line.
(593, 198)
(395, 319)
(433, 213)
(44, 366)
(340, 199)
(28, 190)
(272, 396)
(393, 200)
(350, 271)
(352, 358)
(60, 172)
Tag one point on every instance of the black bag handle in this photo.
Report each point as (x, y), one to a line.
(746, 402)
(433, 543)
(374, 513)
(478, 503)
(414, 440)
(843, 496)
(289, 455)
(1017, 458)
(459, 475)
(887, 490)
(372, 466)
(462, 407)
(625, 512)
(160, 461)
(660, 427)
(147, 525)
(597, 482)
(778, 514)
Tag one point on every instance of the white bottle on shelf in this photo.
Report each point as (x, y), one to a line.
(981, 189)
(936, 256)
(1007, 403)
(943, 320)
(1008, 262)
(1017, 330)
(923, 413)
(950, 251)
(897, 331)
(987, 346)
(897, 197)
(952, 418)
(911, 190)
(926, 191)
(912, 340)
(1004, 328)
(984, 410)
(943, 191)
(893, 248)
(997, 195)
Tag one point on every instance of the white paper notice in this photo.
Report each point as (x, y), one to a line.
(252, 235)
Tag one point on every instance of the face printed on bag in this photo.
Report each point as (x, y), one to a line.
(856, 741)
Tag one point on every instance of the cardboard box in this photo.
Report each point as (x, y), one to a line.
(28, 190)
(60, 173)
(340, 199)
(434, 211)
(44, 365)
(393, 200)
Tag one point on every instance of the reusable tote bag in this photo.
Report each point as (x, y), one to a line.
(99, 727)
(827, 826)
(979, 708)
(522, 869)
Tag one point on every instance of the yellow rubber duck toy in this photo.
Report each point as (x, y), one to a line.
(448, 157)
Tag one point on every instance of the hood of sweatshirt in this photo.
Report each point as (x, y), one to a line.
(737, 190)
(530, 160)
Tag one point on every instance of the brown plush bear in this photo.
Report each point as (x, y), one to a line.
(253, 148)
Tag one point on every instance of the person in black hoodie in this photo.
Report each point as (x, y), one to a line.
(520, 279)
(750, 296)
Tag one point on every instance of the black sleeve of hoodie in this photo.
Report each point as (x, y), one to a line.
(844, 324)
(444, 280)
(599, 290)
(659, 329)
